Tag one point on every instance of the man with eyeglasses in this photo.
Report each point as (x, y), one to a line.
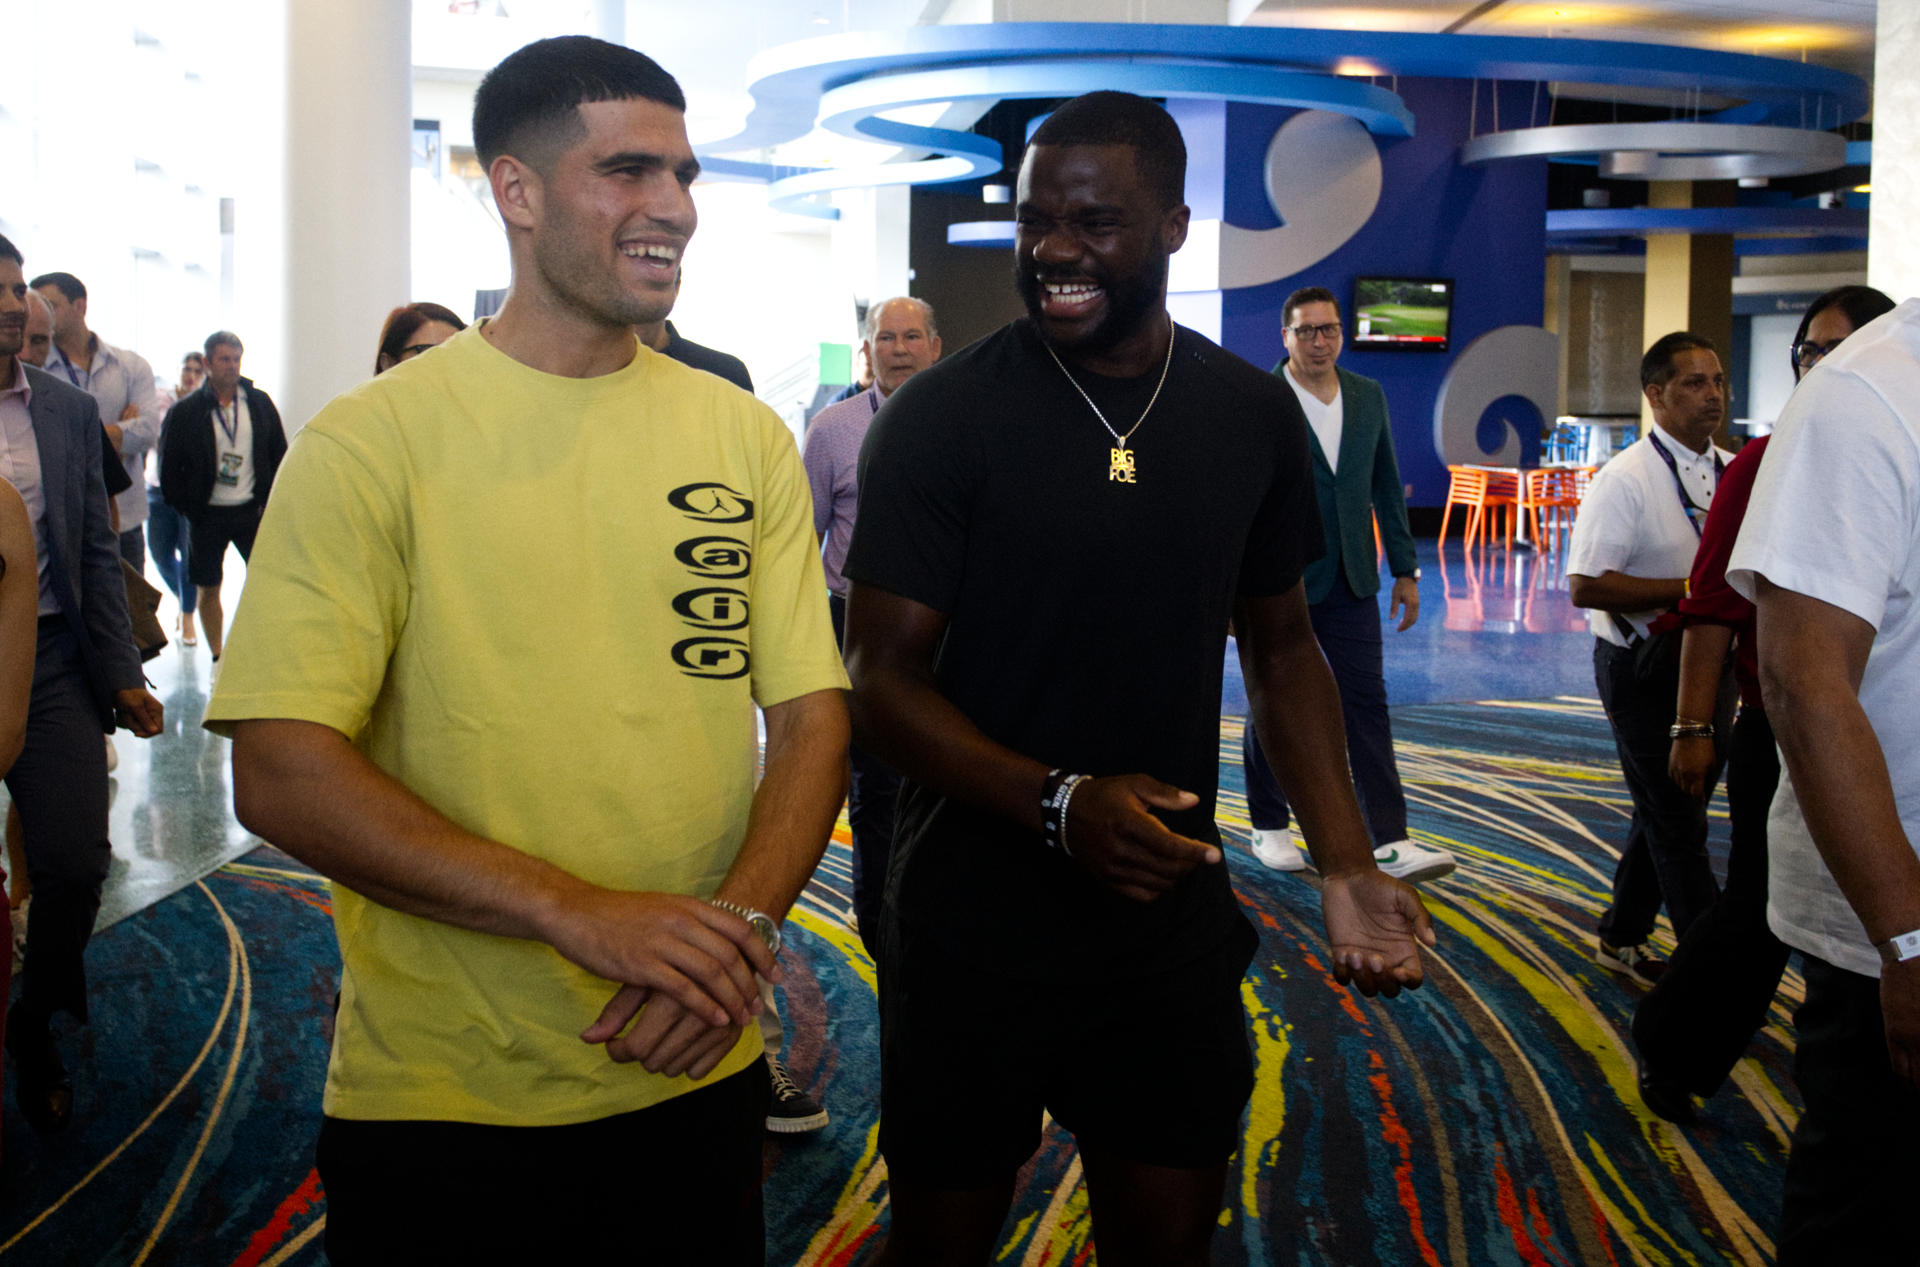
(1356, 480)
(1628, 563)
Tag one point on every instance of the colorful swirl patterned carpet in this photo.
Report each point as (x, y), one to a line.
(1488, 1118)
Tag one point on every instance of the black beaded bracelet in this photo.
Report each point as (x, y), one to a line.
(1055, 794)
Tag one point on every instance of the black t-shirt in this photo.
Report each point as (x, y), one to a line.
(1086, 617)
(702, 357)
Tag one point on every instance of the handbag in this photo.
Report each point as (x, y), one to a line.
(143, 610)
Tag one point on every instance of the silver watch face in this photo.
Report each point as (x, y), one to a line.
(768, 930)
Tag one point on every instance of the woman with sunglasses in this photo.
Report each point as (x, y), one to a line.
(413, 329)
(1695, 1025)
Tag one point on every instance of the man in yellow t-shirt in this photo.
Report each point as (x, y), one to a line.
(512, 605)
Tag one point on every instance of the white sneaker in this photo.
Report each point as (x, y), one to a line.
(1404, 860)
(1278, 849)
(113, 757)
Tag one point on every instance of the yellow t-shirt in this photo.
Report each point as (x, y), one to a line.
(547, 606)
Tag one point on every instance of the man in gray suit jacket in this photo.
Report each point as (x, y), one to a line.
(1357, 481)
(86, 676)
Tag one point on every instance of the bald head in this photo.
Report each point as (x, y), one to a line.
(39, 343)
(901, 341)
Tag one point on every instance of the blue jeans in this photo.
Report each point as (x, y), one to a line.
(1348, 629)
(170, 541)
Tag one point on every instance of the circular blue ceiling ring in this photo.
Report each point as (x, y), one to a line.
(1842, 222)
(1670, 151)
(789, 81)
(853, 109)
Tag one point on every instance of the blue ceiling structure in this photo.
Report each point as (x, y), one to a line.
(852, 84)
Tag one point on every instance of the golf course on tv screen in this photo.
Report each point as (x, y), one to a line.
(1402, 311)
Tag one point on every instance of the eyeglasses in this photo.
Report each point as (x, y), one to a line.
(1807, 353)
(1308, 334)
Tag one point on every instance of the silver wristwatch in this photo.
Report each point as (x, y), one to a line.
(1900, 948)
(762, 922)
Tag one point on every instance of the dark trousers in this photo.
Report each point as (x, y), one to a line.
(169, 540)
(1666, 850)
(1697, 1022)
(133, 548)
(871, 797)
(675, 1183)
(60, 785)
(1348, 629)
(1849, 1194)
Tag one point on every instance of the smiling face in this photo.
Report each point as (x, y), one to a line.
(1091, 245)
(610, 216)
(1690, 405)
(1315, 353)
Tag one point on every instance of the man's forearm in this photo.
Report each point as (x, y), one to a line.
(903, 719)
(305, 789)
(796, 804)
(1703, 658)
(1812, 658)
(1840, 779)
(1617, 592)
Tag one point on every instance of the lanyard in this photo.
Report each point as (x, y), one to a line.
(232, 429)
(1695, 513)
(72, 376)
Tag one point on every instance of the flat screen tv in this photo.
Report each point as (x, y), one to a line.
(1402, 312)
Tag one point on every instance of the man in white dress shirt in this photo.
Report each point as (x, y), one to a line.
(1830, 554)
(1632, 551)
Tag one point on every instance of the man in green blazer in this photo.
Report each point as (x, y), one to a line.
(1357, 479)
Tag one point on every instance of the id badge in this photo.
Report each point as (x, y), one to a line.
(229, 470)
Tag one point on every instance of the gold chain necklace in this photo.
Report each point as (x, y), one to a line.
(1120, 466)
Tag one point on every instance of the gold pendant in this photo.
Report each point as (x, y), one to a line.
(1120, 471)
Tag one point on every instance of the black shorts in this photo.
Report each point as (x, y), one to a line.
(213, 529)
(1153, 1069)
(675, 1183)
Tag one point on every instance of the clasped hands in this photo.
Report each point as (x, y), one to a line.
(1375, 923)
(689, 972)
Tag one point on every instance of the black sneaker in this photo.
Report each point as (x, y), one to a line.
(793, 1111)
(1635, 961)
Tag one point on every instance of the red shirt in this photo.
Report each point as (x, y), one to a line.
(1711, 600)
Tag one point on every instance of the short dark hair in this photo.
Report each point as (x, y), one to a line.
(8, 251)
(1307, 295)
(1120, 118)
(224, 339)
(528, 105)
(66, 283)
(404, 321)
(1656, 367)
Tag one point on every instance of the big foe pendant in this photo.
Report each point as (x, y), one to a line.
(1120, 469)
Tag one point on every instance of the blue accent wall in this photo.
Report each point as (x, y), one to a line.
(1485, 227)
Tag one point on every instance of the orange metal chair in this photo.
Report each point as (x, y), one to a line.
(1480, 489)
(1551, 497)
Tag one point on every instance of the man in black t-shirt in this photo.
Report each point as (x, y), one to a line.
(1055, 526)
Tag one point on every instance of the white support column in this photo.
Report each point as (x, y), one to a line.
(349, 96)
(1893, 249)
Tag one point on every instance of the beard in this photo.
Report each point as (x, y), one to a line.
(579, 276)
(1130, 299)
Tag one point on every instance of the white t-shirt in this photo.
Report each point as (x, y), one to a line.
(1836, 516)
(1632, 520)
(1326, 418)
(232, 452)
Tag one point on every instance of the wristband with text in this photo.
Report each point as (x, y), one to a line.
(1899, 948)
